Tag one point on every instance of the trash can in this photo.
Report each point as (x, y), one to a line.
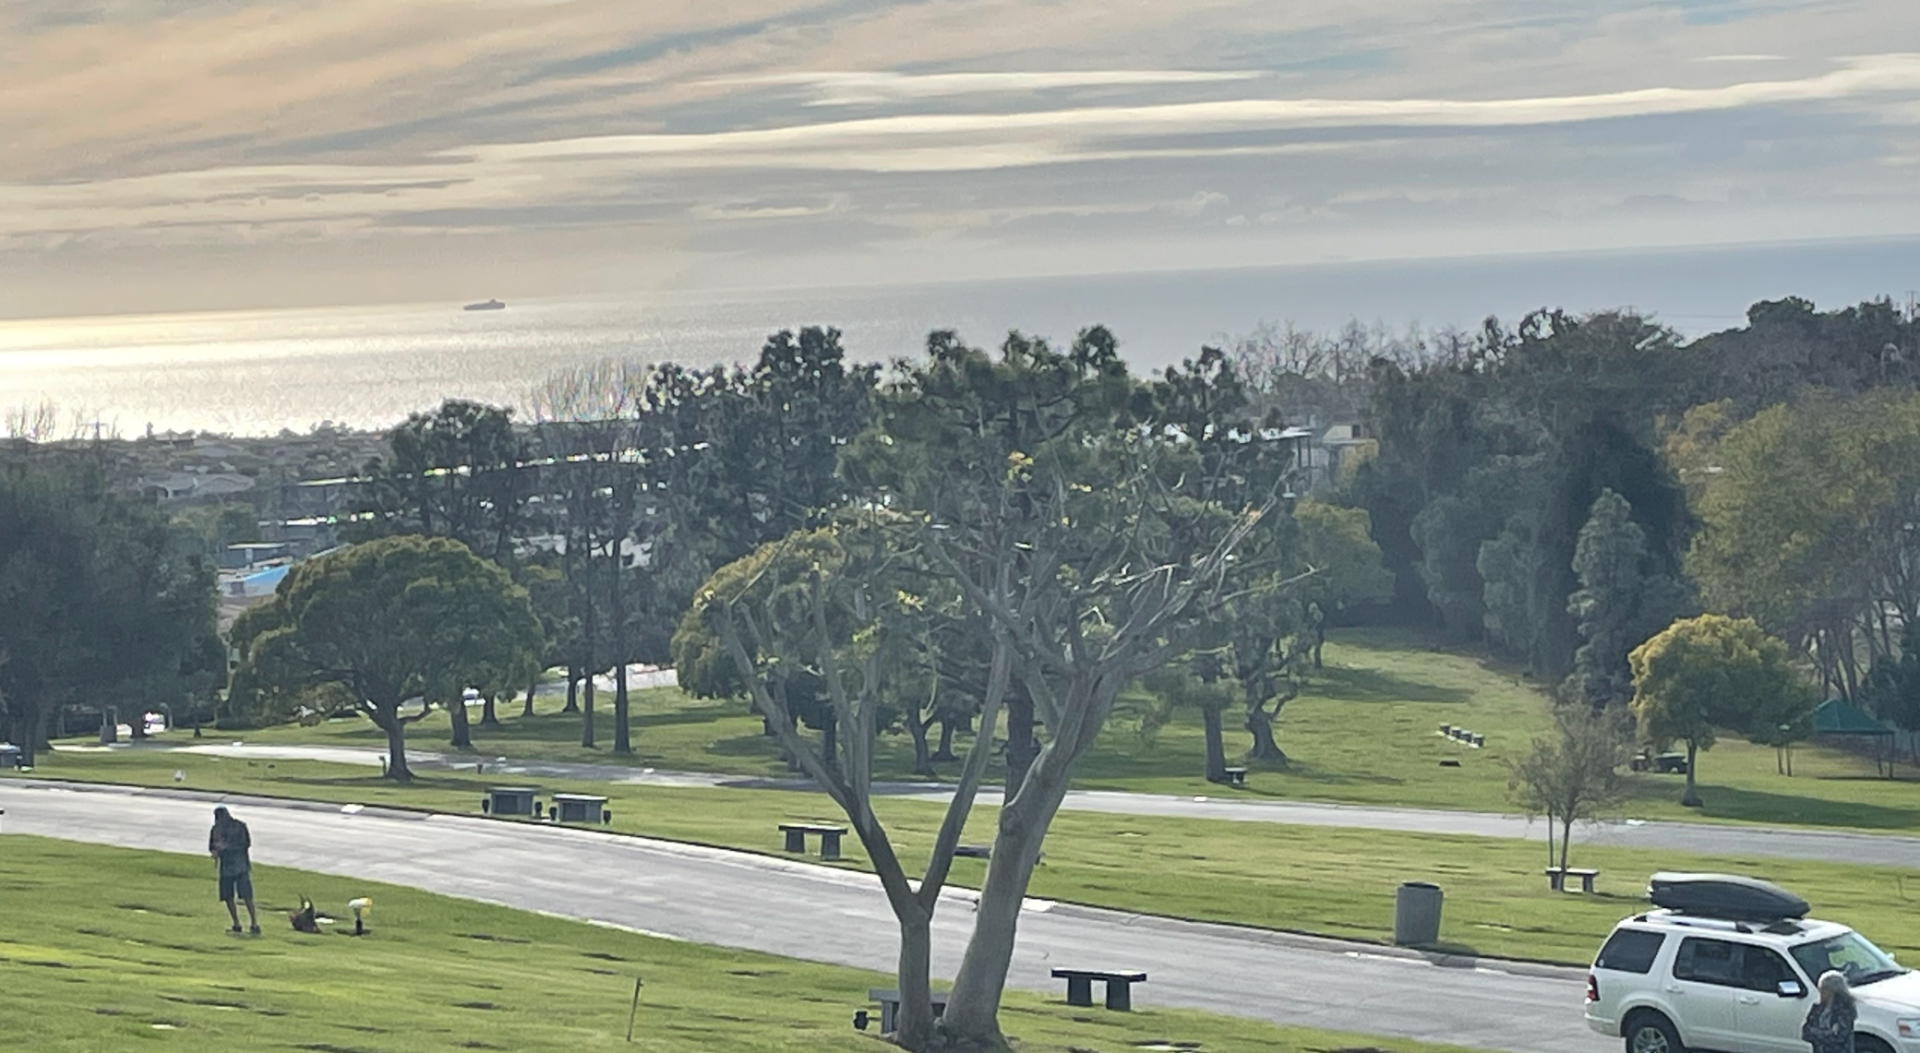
(10, 755)
(1416, 914)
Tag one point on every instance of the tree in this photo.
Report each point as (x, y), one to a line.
(459, 472)
(1709, 672)
(1893, 684)
(389, 621)
(1337, 543)
(1572, 773)
(1086, 552)
(1620, 602)
(1175, 687)
(101, 597)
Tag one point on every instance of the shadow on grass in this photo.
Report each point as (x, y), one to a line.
(1760, 806)
(1374, 685)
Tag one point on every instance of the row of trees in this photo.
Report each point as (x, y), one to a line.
(1564, 489)
(984, 539)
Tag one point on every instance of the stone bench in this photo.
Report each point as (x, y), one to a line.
(510, 800)
(1236, 776)
(796, 838)
(1119, 986)
(579, 808)
(890, 1008)
(1557, 878)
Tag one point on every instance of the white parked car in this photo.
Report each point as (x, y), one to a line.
(1673, 980)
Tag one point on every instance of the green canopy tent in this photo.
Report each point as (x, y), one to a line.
(1837, 719)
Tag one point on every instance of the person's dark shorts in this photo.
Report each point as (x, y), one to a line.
(236, 886)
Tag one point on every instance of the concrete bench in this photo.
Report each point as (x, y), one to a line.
(796, 838)
(510, 800)
(1236, 776)
(890, 1008)
(1119, 986)
(579, 808)
(1557, 878)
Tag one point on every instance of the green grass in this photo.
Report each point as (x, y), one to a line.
(107, 950)
(1334, 882)
(1364, 731)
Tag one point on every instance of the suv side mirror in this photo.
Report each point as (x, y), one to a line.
(1792, 989)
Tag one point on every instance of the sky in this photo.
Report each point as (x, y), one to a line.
(252, 153)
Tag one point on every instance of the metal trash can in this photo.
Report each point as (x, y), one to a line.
(10, 755)
(1416, 914)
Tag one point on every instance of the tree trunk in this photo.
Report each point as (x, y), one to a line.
(533, 684)
(1690, 799)
(573, 689)
(622, 736)
(1260, 726)
(462, 732)
(397, 769)
(489, 717)
(916, 1022)
(922, 756)
(586, 712)
(1566, 839)
(830, 744)
(109, 726)
(1021, 747)
(973, 1011)
(1216, 746)
(945, 752)
(1319, 643)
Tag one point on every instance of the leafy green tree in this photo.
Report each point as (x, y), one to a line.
(1893, 684)
(1176, 687)
(1619, 604)
(101, 597)
(459, 472)
(1709, 672)
(389, 622)
(1337, 544)
(1572, 773)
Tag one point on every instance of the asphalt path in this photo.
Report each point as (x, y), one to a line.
(796, 910)
(1713, 838)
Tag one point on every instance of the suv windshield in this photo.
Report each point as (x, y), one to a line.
(1849, 953)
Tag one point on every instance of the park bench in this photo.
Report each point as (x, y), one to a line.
(510, 800)
(829, 838)
(1557, 878)
(1119, 986)
(1236, 776)
(580, 808)
(890, 1007)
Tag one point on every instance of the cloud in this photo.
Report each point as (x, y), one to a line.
(843, 88)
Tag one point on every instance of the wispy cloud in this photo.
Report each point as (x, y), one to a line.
(875, 126)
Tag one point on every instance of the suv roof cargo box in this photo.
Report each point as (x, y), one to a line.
(1726, 896)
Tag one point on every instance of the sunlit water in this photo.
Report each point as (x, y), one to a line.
(258, 372)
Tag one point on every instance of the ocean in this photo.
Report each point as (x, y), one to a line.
(258, 372)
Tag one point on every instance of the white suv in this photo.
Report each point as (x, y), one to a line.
(1669, 982)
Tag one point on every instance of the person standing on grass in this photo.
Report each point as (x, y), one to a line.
(228, 843)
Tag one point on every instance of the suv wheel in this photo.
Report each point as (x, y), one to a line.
(1648, 1032)
(1869, 1044)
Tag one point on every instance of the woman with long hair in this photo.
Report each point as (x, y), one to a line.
(1829, 1026)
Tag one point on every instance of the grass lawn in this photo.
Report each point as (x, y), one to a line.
(107, 950)
(1364, 731)
(1306, 879)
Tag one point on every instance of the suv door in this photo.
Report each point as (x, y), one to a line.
(1701, 991)
(1764, 1018)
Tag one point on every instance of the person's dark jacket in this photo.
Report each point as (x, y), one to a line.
(1829, 1027)
(229, 840)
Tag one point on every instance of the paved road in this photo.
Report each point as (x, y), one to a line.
(1718, 839)
(736, 900)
